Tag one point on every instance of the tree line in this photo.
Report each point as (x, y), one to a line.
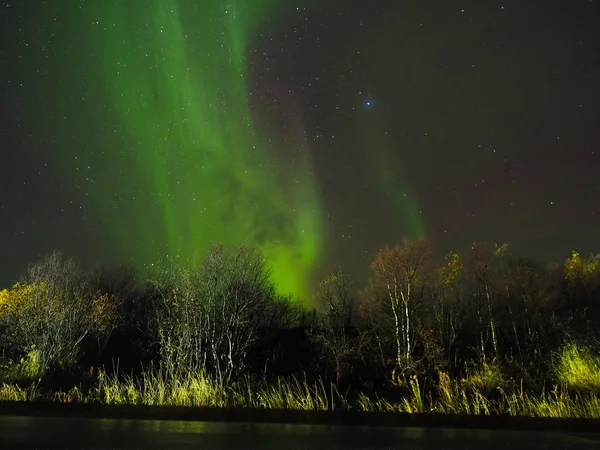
(223, 315)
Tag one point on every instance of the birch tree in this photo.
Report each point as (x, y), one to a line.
(210, 314)
(447, 304)
(399, 272)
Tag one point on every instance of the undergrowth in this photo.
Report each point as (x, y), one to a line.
(575, 392)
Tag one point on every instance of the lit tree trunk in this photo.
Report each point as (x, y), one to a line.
(407, 341)
(481, 339)
(397, 270)
(394, 303)
(491, 321)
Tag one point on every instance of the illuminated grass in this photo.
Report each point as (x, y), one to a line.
(577, 368)
(461, 398)
(10, 392)
(29, 368)
(485, 379)
(366, 404)
(155, 387)
(558, 404)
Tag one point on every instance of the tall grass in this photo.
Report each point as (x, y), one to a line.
(294, 394)
(156, 387)
(13, 393)
(460, 397)
(463, 397)
(483, 391)
(366, 404)
(577, 368)
(28, 369)
(14, 375)
(558, 404)
(486, 378)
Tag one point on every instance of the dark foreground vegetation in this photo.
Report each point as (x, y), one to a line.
(484, 333)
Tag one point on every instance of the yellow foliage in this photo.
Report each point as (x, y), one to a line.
(104, 312)
(23, 297)
(500, 250)
(4, 299)
(20, 297)
(577, 268)
(453, 269)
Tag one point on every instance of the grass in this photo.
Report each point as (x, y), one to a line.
(15, 393)
(577, 368)
(155, 388)
(29, 368)
(486, 378)
(460, 397)
(484, 391)
(557, 404)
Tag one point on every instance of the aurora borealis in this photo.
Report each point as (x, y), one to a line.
(176, 74)
(133, 130)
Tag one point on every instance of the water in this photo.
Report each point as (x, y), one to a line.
(20, 432)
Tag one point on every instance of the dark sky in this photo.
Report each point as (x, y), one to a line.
(317, 131)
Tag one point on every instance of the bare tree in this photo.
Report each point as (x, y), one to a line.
(210, 313)
(399, 274)
(335, 329)
(484, 298)
(536, 295)
(447, 300)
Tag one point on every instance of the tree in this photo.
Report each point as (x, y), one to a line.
(209, 314)
(398, 280)
(484, 298)
(535, 295)
(335, 330)
(581, 288)
(51, 311)
(116, 285)
(447, 304)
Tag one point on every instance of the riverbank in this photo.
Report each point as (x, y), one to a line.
(370, 419)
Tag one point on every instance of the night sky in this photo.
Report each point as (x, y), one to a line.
(316, 131)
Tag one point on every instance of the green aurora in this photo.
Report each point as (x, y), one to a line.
(132, 130)
(387, 174)
(152, 114)
(175, 73)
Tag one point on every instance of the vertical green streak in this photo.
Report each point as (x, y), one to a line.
(195, 172)
(387, 173)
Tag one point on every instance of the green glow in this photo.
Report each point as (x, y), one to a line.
(194, 172)
(404, 208)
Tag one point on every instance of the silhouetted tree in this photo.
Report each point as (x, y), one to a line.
(335, 331)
